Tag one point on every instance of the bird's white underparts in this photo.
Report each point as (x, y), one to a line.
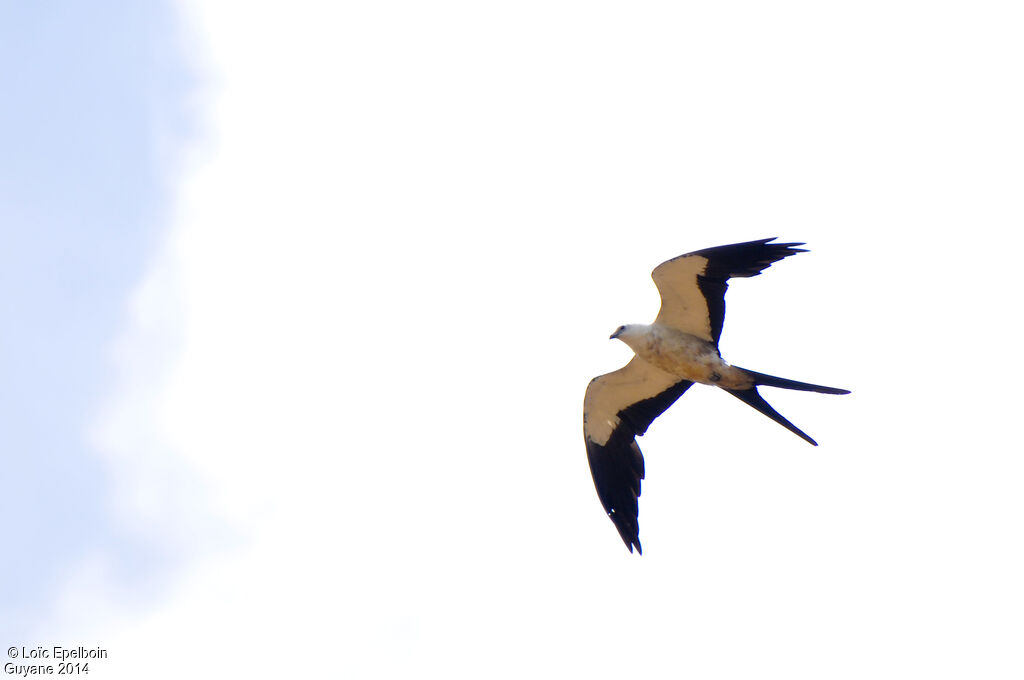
(679, 349)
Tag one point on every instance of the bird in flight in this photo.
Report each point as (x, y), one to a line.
(677, 350)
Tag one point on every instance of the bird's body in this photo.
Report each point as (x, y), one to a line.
(682, 355)
(679, 349)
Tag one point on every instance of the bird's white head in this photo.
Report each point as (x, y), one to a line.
(631, 334)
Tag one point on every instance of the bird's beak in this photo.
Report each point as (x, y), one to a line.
(614, 335)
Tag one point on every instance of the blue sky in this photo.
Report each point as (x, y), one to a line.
(313, 395)
(90, 92)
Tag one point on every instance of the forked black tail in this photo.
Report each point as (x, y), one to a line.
(751, 397)
(772, 381)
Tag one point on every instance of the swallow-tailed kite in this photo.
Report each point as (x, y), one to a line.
(677, 350)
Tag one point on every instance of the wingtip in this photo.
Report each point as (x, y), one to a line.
(775, 238)
(632, 542)
(791, 248)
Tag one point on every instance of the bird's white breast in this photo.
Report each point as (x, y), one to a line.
(688, 357)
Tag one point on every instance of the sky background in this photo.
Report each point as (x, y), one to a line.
(96, 104)
(302, 302)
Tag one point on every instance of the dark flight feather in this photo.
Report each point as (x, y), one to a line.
(736, 260)
(617, 466)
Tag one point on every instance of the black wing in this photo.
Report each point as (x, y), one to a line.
(619, 407)
(693, 286)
